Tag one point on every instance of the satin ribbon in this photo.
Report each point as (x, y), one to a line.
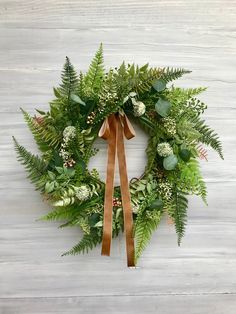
(113, 129)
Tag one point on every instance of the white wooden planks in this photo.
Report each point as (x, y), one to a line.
(199, 277)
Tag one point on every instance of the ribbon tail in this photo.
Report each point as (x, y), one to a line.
(104, 131)
(128, 128)
(108, 203)
(125, 194)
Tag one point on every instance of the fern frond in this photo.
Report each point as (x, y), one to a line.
(209, 137)
(202, 152)
(179, 214)
(108, 101)
(33, 164)
(33, 126)
(45, 135)
(69, 79)
(64, 201)
(94, 77)
(122, 81)
(59, 214)
(146, 79)
(144, 228)
(88, 242)
(81, 85)
(171, 74)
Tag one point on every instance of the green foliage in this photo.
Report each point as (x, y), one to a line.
(178, 213)
(145, 78)
(190, 179)
(81, 85)
(163, 107)
(171, 74)
(170, 162)
(60, 213)
(69, 79)
(94, 77)
(209, 136)
(34, 165)
(184, 102)
(64, 108)
(144, 196)
(145, 225)
(88, 242)
(45, 135)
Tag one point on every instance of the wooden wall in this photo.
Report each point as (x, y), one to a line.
(199, 277)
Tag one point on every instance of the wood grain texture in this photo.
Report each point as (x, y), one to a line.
(199, 277)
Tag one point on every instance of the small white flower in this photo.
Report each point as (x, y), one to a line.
(135, 209)
(164, 149)
(139, 108)
(64, 154)
(82, 192)
(170, 125)
(165, 189)
(69, 133)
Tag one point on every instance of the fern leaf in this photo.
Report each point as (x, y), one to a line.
(122, 81)
(144, 227)
(108, 101)
(180, 214)
(88, 242)
(94, 77)
(62, 213)
(34, 165)
(202, 152)
(146, 79)
(45, 136)
(69, 79)
(209, 137)
(171, 74)
(81, 87)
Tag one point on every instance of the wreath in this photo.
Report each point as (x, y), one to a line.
(103, 103)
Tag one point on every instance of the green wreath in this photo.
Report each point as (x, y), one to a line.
(66, 133)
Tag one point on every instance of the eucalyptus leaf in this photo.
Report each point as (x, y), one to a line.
(170, 162)
(141, 187)
(149, 187)
(125, 99)
(132, 94)
(51, 175)
(81, 164)
(159, 85)
(118, 212)
(70, 172)
(185, 154)
(98, 224)
(41, 112)
(157, 204)
(94, 219)
(77, 99)
(49, 187)
(59, 169)
(163, 107)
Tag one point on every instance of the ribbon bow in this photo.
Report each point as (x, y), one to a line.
(113, 129)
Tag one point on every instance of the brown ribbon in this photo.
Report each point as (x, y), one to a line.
(113, 129)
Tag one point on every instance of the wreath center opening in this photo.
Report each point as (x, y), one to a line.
(136, 158)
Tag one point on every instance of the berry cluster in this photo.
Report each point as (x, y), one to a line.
(117, 202)
(91, 118)
(69, 163)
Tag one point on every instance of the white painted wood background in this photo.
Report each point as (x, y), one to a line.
(199, 277)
